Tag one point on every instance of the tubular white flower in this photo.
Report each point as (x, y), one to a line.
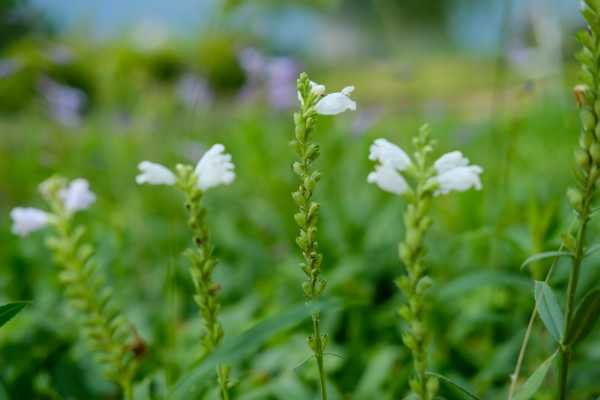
(215, 168)
(388, 179)
(449, 161)
(154, 174)
(317, 89)
(388, 153)
(77, 195)
(459, 179)
(336, 103)
(27, 220)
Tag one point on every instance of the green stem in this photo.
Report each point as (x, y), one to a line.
(223, 376)
(319, 354)
(566, 349)
(127, 389)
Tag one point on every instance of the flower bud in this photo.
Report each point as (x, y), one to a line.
(595, 152)
(582, 158)
(579, 92)
(587, 138)
(588, 119)
(300, 219)
(575, 197)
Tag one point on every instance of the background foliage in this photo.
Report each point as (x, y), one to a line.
(521, 128)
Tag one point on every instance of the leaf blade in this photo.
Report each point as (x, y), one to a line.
(586, 316)
(455, 385)
(549, 310)
(544, 255)
(533, 383)
(7, 311)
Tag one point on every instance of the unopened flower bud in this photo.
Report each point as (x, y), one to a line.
(582, 158)
(595, 152)
(575, 197)
(588, 120)
(579, 92)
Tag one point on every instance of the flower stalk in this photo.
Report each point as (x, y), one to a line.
(451, 172)
(308, 213)
(587, 158)
(109, 333)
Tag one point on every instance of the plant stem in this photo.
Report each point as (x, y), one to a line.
(127, 389)
(223, 377)
(319, 354)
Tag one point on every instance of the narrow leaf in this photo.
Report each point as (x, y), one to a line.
(533, 383)
(592, 249)
(547, 254)
(549, 310)
(239, 347)
(468, 394)
(586, 316)
(9, 310)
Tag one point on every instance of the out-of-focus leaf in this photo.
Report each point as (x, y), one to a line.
(476, 280)
(9, 310)
(585, 318)
(468, 394)
(533, 383)
(231, 351)
(549, 310)
(376, 372)
(542, 256)
(592, 249)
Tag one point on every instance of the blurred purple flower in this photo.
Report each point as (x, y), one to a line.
(253, 63)
(9, 67)
(365, 120)
(60, 54)
(65, 103)
(193, 90)
(281, 82)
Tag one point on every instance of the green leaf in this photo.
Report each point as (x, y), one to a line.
(549, 310)
(533, 383)
(476, 280)
(9, 310)
(468, 394)
(191, 385)
(547, 254)
(592, 249)
(586, 316)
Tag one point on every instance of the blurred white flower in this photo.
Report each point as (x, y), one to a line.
(77, 195)
(336, 103)
(154, 174)
(215, 168)
(455, 174)
(389, 154)
(27, 220)
(317, 89)
(387, 178)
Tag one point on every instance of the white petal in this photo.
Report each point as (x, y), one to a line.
(27, 220)
(336, 103)
(388, 153)
(77, 195)
(215, 168)
(459, 179)
(388, 179)
(450, 160)
(154, 174)
(317, 89)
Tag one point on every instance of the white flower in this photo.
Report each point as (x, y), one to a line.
(316, 89)
(336, 103)
(387, 178)
(449, 161)
(388, 153)
(26, 220)
(215, 168)
(154, 174)
(459, 179)
(77, 195)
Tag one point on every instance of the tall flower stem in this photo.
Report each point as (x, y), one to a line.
(106, 328)
(307, 215)
(202, 265)
(416, 282)
(587, 157)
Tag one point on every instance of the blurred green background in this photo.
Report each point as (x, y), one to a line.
(91, 89)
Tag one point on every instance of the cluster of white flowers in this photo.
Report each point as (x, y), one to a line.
(453, 172)
(76, 196)
(333, 103)
(215, 168)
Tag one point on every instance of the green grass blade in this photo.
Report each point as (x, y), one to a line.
(9, 310)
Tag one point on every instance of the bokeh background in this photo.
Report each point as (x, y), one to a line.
(91, 88)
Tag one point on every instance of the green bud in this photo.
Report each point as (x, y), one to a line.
(588, 119)
(575, 197)
(586, 138)
(424, 284)
(568, 241)
(582, 158)
(405, 313)
(433, 386)
(595, 152)
(300, 219)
